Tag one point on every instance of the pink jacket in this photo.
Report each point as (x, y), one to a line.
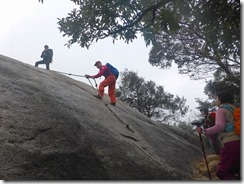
(222, 116)
(103, 71)
(219, 123)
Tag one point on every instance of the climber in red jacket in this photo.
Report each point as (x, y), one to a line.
(109, 81)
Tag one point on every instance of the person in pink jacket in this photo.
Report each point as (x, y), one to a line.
(109, 81)
(224, 125)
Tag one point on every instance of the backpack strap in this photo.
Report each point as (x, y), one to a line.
(228, 107)
(229, 127)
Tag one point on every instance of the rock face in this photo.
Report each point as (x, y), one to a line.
(52, 128)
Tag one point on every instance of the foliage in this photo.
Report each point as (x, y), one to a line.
(150, 99)
(199, 36)
(204, 104)
(98, 19)
(202, 37)
(208, 39)
(206, 46)
(221, 83)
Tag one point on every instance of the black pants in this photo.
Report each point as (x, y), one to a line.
(43, 62)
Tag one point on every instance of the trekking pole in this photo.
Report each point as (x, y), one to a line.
(198, 124)
(203, 150)
(95, 83)
(99, 93)
(91, 83)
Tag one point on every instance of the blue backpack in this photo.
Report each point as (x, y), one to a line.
(113, 70)
(229, 127)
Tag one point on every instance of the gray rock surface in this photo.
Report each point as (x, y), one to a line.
(52, 128)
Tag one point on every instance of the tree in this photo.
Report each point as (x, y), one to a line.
(204, 104)
(119, 19)
(150, 99)
(206, 46)
(208, 40)
(199, 36)
(222, 83)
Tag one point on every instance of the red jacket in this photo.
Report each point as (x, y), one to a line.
(103, 71)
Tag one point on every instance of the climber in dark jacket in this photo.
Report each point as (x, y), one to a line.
(47, 56)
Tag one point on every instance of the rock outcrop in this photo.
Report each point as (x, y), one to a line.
(52, 128)
(204, 172)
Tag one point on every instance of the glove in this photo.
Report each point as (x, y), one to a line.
(87, 76)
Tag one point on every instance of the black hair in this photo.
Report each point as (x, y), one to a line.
(205, 110)
(46, 46)
(225, 97)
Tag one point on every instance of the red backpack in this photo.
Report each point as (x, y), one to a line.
(210, 119)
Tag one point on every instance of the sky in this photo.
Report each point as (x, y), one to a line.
(27, 25)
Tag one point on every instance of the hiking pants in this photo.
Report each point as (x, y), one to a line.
(110, 82)
(43, 62)
(229, 161)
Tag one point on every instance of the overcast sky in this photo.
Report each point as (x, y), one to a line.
(26, 26)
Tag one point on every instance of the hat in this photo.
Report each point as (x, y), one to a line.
(205, 110)
(97, 63)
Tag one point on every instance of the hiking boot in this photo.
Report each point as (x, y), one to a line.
(113, 104)
(97, 96)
